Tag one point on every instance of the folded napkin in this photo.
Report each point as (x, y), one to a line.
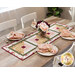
(57, 59)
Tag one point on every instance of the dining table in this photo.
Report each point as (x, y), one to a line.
(36, 60)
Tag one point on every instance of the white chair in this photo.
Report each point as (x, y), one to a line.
(8, 24)
(5, 26)
(28, 18)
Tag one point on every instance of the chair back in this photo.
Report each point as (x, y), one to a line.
(28, 18)
(8, 24)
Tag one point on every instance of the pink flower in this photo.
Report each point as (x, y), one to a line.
(43, 26)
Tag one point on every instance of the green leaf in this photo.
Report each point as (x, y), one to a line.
(56, 13)
(54, 8)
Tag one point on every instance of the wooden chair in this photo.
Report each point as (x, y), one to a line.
(28, 18)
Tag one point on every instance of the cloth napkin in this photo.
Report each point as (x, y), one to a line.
(57, 60)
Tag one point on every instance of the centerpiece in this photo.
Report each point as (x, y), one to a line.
(42, 27)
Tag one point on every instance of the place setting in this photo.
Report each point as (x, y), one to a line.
(14, 35)
(11, 37)
(47, 49)
(68, 35)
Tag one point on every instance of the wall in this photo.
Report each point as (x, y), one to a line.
(66, 13)
(41, 13)
(18, 13)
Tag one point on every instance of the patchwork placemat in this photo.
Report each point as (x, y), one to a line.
(28, 46)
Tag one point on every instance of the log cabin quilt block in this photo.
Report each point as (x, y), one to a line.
(57, 27)
(21, 49)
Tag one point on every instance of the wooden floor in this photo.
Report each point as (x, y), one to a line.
(35, 60)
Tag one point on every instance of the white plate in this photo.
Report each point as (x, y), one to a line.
(69, 38)
(8, 36)
(48, 53)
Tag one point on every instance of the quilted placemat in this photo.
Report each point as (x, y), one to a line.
(28, 46)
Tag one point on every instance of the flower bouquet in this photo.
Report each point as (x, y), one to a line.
(42, 27)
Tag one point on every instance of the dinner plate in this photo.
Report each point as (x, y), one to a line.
(9, 35)
(69, 38)
(48, 53)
